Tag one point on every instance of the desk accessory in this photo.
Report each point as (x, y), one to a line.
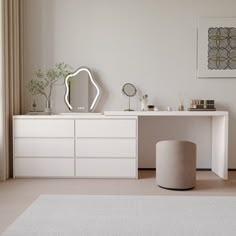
(151, 107)
(129, 90)
(144, 101)
(202, 105)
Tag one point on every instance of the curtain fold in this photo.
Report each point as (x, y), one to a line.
(11, 81)
(2, 149)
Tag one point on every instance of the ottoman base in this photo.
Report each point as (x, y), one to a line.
(176, 189)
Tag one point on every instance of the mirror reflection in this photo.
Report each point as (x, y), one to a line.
(82, 91)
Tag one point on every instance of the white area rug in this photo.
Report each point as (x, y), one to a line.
(68, 215)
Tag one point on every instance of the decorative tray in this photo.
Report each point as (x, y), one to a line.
(203, 109)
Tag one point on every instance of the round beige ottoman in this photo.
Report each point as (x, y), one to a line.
(176, 164)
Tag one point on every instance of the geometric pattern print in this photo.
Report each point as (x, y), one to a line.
(222, 48)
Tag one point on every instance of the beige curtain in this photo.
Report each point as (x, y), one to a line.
(11, 76)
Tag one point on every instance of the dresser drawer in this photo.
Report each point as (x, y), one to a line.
(106, 168)
(105, 147)
(43, 167)
(105, 128)
(43, 128)
(36, 147)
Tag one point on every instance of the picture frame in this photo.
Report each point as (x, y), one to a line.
(216, 53)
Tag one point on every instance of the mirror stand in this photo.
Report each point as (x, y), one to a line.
(129, 90)
(129, 106)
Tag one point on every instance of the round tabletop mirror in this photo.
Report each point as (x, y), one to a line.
(129, 90)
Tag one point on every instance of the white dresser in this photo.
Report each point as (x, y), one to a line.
(106, 146)
(93, 146)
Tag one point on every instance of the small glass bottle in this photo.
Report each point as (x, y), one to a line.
(144, 102)
(181, 103)
(34, 105)
(181, 107)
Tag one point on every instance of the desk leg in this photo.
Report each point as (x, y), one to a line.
(220, 146)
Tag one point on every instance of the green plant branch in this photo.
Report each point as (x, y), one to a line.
(43, 93)
(44, 81)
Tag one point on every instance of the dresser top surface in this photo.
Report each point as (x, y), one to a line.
(125, 114)
(166, 113)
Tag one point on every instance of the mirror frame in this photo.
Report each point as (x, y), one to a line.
(123, 90)
(98, 95)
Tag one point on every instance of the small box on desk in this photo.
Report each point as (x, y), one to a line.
(202, 105)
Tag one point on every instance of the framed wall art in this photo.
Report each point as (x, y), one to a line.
(216, 47)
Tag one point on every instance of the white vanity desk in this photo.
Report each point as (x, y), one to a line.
(91, 146)
(219, 133)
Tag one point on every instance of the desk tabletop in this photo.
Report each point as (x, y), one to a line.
(126, 114)
(166, 113)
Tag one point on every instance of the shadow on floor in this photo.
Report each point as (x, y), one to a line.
(146, 174)
(232, 175)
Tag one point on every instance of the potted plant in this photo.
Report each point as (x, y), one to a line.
(44, 81)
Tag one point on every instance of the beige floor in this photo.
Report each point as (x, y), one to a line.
(16, 195)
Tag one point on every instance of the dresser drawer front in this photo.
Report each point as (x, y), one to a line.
(35, 147)
(106, 168)
(43, 128)
(102, 147)
(43, 167)
(106, 128)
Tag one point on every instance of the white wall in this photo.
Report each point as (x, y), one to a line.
(151, 43)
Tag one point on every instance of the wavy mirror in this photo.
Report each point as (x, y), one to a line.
(82, 91)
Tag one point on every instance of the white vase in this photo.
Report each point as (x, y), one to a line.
(48, 107)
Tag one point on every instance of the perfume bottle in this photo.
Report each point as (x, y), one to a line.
(144, 102)
(181, 107)
(181, 103)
